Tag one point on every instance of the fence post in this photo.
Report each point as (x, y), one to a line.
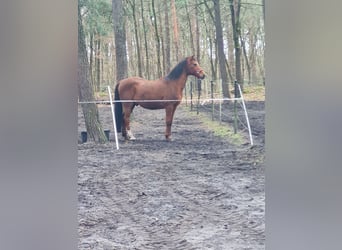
(212, 99)
(199, 93)
(186, 96)
(113, 116)
(236, 95)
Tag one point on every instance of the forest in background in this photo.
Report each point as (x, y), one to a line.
(226, 36)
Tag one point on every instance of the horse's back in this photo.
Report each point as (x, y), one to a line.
(138, 84)
(131, 81)
(128, 87)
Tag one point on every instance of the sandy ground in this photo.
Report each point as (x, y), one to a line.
(197, 192)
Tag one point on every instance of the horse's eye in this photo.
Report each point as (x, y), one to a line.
(195, 64)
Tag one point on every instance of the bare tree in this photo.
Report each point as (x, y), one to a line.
(86, 93)
(120, 40)
(175, 29)
(133, 7)
(98, 65)
(167, 38)
(220, 48)
(211, 41)
(159, 73)
(192, 45)
(198, 51)
(147, 60)
(243, 44)
(235, 6)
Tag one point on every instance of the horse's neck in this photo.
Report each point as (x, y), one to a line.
(182, 80)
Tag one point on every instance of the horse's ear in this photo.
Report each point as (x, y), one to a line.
(191, 58)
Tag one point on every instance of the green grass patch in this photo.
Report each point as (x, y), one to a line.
(224, 131)
(101, 95)
(254, 93)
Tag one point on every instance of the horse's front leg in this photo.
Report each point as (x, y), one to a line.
(170, 111)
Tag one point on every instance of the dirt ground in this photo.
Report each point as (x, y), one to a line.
(197, 192)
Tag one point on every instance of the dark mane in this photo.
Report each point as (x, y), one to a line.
(176, 71)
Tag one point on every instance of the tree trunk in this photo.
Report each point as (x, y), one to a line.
(198, 49)
(229, 71)
(147, 60)
(86, 93)
(161, 37)
(230, 40)
(167, 39)
(246, 59)
(190, 28)
(159, 73)
(235, 15)
(252, 56)
(211, 51)
(175, 29)
(133, 6)
(91, 59)
(131, 66)
(209, 11)
(220, 50)
(98, 64)
(211, 48)
(120, 40)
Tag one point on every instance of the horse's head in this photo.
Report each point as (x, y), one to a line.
(193, 68)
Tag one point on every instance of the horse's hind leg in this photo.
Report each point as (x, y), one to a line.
(170, 111)
(126, 132)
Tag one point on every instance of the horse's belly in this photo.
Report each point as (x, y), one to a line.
(152, 105)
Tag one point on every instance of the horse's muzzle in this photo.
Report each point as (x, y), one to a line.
(201, 74)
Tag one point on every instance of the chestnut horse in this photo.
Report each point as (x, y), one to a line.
(142, 92)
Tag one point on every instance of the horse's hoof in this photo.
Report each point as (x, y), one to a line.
(130, 136)
(168, 139)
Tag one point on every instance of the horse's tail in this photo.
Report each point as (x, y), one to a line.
(118, 109)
